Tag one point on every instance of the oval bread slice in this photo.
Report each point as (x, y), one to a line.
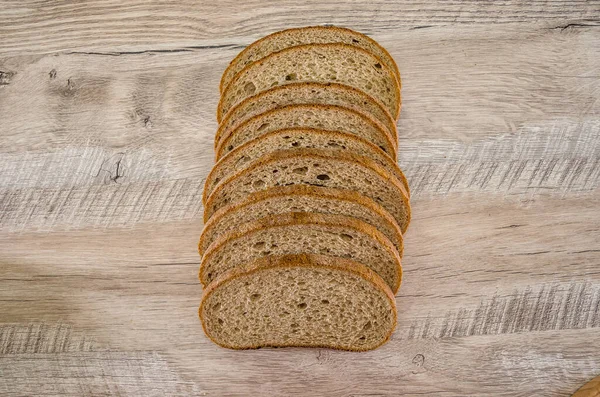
(318, 167)
(325, 117)
(306, 93)
(337, 62)
(300, 198)
(291, 138)
(303, 232)
(307, 35)
(299, 300)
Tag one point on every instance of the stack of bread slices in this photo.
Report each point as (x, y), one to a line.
(306, 206)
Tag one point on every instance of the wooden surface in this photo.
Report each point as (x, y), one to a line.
(107, 116)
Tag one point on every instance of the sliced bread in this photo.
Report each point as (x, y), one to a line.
(300, 198)
(299, 300)
(337, 62)
(303, 232)
(306, 93)
(306, 35)
(325, 117)
(319, 167)
(291, 138)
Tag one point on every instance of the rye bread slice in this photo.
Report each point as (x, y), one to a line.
(325, 117)
(306, 35)
(304, 232)
(299, 300)
(337, 62)
(306, 93)
(291, 138)
(319, 167)
(300, 198)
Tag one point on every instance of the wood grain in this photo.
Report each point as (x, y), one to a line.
(107, 115)
(141, 25)
(458, 288)
(112, 137)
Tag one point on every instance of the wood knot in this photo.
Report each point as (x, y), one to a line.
(5, 77)
(118, 168)
(418, 360)
(322, 356)
(67, 90)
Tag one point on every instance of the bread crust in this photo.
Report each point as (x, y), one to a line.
(393, 143)
(300, 190)
(306, 261)
(314, 153)
(392, 165)
(304, 218)
(590, 389)
(391, 123)
(274, 35)
(395, 111)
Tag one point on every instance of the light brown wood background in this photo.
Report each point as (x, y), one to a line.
(107, 116)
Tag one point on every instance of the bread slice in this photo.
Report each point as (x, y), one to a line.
(326, 117)
(304, 232)
(291, 138)
(299, 300)
(306, 93)
(337, 62)
(307, 35)
(300, 198)
(318, 167)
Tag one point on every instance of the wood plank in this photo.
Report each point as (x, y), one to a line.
(115, 141)
(510, 365)
(45, 360)
(494, 268)
(118, 100)
(137, 26)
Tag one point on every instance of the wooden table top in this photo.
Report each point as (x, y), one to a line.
(107, 119)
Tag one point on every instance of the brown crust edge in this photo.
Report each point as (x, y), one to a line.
(590, 389)
(301, 190)
(292, 85)
(394, 166)
(305, 218)
(307, 261)
(321, 153)
(396, 109)
(378, 125)
(240, 55)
